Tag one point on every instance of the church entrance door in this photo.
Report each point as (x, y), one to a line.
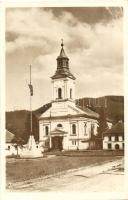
(57, 143)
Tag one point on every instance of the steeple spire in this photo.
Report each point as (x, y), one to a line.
(62, 52)
(62, 65)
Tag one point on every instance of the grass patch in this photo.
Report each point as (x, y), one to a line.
(26, 169)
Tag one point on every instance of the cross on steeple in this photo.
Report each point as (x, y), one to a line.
(62, 44)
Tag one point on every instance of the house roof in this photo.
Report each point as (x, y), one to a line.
(117, 129)
(9, 136)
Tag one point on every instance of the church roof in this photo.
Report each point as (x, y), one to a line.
(62, 53)
(89, 112)
(63, 74)
(117, 129)
(42, 109)
(57, 131)
(63, 66)
(9, 136)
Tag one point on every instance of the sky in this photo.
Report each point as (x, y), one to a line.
(93, 41)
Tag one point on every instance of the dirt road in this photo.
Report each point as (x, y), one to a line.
(108, 177)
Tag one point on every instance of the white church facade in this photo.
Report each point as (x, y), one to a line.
(64, 125)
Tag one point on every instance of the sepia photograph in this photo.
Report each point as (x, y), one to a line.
(64, 117)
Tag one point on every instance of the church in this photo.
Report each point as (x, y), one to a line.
(64, 125)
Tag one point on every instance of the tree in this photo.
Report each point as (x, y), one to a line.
(17, 142)
(102, 126)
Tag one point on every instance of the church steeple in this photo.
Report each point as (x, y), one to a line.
(62, 52)
(63, 65)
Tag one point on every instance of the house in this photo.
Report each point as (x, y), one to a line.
(64, 125)
(10, 148)
(113, 139)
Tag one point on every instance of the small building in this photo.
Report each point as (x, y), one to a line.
(10, 148)
(113, 139)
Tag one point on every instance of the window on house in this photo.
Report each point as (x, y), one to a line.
(46, 130)
(117, 146)
(70, 93)
(116, 138)
(16, 147)
(109, 138)
(74, 129)
(59, 93)
(109, 146)
(8, 147)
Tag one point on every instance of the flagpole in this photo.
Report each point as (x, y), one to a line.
(30, 106)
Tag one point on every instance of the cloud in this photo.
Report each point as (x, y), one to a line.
(95, 50)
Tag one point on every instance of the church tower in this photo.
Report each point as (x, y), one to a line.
(63, 82)
(64, 125)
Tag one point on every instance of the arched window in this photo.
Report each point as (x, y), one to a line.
(70, 93)
(46, 130)
(59, 125)
(59, 63)
(64, 62)
(117, 146)
(85, 128)
(59, 93)
(74, 129)
(92, 129)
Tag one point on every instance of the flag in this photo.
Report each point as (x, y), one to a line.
(31, 89)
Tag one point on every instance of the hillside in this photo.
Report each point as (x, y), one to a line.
(18, 122)
(113, 106)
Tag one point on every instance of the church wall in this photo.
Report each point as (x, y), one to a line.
(64, 108)
(65, 84)
(58, 83)
(71, 85)
(70, 140)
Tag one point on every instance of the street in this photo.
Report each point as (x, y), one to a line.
(108, 177)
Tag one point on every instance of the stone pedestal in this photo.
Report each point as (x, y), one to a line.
(31, 150)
